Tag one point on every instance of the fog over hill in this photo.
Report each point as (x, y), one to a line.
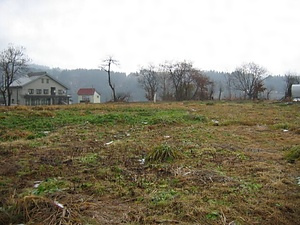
(128, 84)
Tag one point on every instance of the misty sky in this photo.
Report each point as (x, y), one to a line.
(213, 34)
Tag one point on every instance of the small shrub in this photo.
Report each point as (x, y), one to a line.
(292, 154)
(163, 153)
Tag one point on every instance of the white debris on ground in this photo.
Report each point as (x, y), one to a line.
(58, 204)
(298, 180)
(216, 122)
(142, 161)
(37, 183)
(108, 143)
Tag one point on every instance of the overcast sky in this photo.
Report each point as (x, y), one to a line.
(213, 34)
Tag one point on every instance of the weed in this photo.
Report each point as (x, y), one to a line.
(163, 197)
(194, 117)
(250, 187)
(89, 159)
(292, 154)
(163, 153)
(213, 215)
(282, 126)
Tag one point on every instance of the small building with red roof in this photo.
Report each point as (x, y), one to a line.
(88, 95)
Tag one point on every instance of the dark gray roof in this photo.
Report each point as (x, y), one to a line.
(36, 74)
(30, 77)
(23, 81)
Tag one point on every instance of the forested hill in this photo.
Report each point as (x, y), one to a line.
(128, 84)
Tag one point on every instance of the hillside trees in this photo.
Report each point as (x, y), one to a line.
(13, 63)
(248, 78)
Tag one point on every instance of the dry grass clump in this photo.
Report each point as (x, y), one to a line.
(163, 153)
(42, 210)
(15, 134)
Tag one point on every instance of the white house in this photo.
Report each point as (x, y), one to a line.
(89, 95)
(38, 89)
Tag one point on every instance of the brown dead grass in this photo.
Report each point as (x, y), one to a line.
(235, 171)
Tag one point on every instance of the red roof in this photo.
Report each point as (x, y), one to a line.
(86, 91)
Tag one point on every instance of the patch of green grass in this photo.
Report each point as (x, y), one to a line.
(50, 185)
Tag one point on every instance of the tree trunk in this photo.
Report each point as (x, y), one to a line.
(220, 94)
(110, 84)
(4, 97)
(112, 87)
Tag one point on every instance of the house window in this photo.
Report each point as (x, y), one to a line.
(60, 92)
(86, 98)
(38, 91)
(46, 91)
(47, 81)
(42, 80)
(30, 91)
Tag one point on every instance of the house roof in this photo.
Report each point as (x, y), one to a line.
(86, 91)
(22, 81)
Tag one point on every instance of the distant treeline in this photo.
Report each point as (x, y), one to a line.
(129, 85)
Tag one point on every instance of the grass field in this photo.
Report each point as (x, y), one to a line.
(143, 163)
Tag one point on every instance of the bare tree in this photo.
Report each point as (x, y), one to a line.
(290, 79)
(106, 66)
(269, 90)
(228, 79)
(13, 63)
(149, 80)
(180, 74)
(248, 78)
(165, 87)
(203, 88)
(188, 82)
(123, 97)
